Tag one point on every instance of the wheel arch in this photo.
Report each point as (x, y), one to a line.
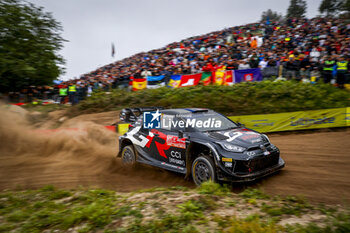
(123, 143)
(194, 150)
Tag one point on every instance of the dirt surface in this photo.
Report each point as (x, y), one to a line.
(317, 163)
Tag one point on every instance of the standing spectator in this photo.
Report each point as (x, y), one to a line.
(328, 68)
(145, 73)
(244, 65)
(63, 91)
(263, 64)
(72, 91)
(254, 61)
(342, 70)
(292, 68)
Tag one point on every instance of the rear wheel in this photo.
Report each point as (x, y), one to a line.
(203, 170)
(128, 156)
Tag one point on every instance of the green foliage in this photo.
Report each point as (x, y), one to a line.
(240, 99)
(54, 210)
(331, 6)
(271, 15)
(213, 189)
(251, 193)
(30, 41)
(290, 205)
(250, 224)
(296, 9)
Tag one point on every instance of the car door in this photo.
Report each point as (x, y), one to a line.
(168, 147)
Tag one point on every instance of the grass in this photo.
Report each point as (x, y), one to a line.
(211, 208)
(240, 99)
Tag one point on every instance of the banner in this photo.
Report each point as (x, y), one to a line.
(219, 77)
(314, 119)
(347, 116)
(228, 78)
(249, 75)
(155, 81)
(190, 80)
(139, 84)
(206, 78)
(174, 81)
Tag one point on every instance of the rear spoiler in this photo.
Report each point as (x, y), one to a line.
(130, 115)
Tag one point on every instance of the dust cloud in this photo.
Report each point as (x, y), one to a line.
(69, 157)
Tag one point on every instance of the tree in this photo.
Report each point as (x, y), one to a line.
(331, 6)
(346, 6)
(271, 15)
(296, 9)
(29, 44)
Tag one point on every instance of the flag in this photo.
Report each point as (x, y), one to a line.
(155, 81)
(174, 81)
(190, 80)
(249, 75)
(139, 84)
(113, 50)
(206, 78)
(228, 80)
(219, 77)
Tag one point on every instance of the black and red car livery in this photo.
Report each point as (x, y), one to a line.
(219, 152)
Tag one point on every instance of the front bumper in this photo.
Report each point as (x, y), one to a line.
(223, 176)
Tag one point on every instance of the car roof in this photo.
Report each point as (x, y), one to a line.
(175, 111)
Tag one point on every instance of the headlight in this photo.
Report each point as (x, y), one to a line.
(233, 148)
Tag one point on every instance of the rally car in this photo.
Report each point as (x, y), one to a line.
(197, 142)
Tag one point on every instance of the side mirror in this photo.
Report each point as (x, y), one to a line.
(240, 125)
(181, 134)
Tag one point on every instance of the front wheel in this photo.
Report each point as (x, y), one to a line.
(128, 156)
(203, 170)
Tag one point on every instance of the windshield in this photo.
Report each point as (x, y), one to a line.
(207, 122)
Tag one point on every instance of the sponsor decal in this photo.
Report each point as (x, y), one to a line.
(228, 164)
(175, 154)
(232, 135)
(141, 140)
(311, 121)
(172, 166)
(177, 161)
(175, 141)
(226, 159)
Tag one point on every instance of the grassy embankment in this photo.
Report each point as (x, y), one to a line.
(240, 99)
(210, 208)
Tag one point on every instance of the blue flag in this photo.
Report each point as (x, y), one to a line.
(249, 75)
(155, 78)
(155, 81)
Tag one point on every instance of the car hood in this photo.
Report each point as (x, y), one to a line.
(240, 136)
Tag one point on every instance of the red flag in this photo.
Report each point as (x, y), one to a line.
(228, 81)
(190, 80)
(139, 84)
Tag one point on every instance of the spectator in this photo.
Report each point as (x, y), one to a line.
(244, 65)
(292, 68)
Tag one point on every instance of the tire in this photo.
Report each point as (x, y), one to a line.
(128, 156)
(203, 170)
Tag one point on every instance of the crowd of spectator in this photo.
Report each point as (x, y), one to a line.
(305, 49)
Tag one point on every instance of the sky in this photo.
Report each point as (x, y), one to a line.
(91, 26)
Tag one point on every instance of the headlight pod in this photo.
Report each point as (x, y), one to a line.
(233, 148)
(267, 138)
